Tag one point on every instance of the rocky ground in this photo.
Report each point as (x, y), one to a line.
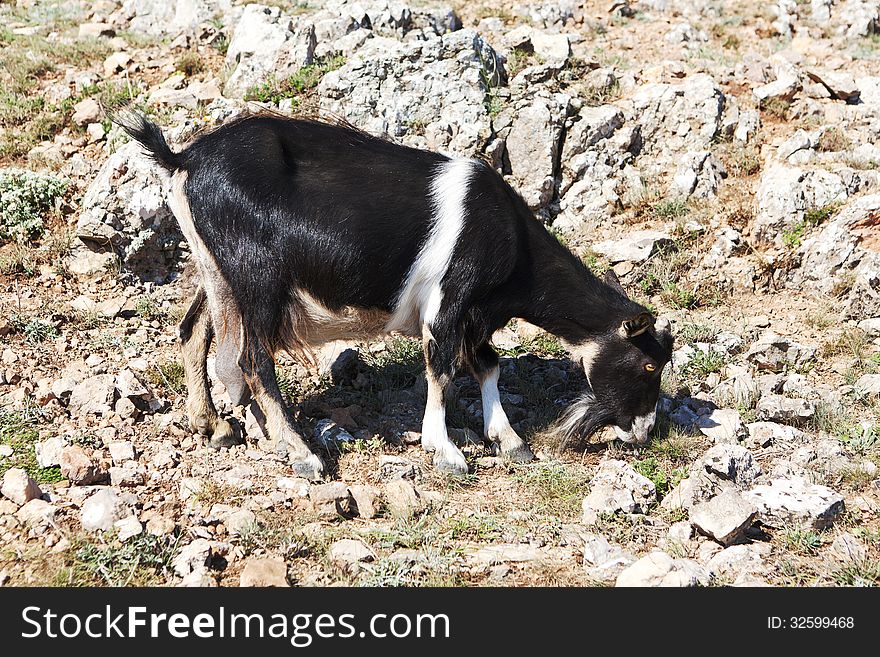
(720, 156)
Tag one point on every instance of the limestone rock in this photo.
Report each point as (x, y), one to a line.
(264, 572)
(659, 569)
(794, 500)
(19, 487)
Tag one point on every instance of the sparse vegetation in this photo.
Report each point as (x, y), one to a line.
(296, 86)
(18, 430)
(25, 199)
(168, 375)
(559, 487)
(189, 63)
(142, 560)
(832, 140)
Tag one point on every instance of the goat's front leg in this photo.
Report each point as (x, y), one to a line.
(496, 426)
(439, 368)
(259, 373)
(195, 332)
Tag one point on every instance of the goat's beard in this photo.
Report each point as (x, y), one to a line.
(580, 420)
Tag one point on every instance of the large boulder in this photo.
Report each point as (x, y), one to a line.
(533, 147)
(161, 18)
(124, 212)
(844, 255)
(267, 42)
(425, 93)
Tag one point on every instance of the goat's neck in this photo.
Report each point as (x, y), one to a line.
(566, 299)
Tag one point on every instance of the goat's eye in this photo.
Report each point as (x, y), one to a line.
(650, 367)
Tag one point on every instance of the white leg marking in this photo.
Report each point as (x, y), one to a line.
(421, 295)
(496, 426)
(435, 438)
(434, 423)
(495, 422)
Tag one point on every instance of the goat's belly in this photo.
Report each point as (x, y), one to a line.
(315, 324)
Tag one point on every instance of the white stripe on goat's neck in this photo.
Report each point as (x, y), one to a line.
(587, 353)
(421, 295)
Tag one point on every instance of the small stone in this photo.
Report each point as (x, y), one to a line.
(121, 450)
(105, 507)
(725, 517)
(764, 434)
(238, 521)
(263, 572)
(128, 527)
(868, 385)
(348, 553)
(6, 451)
(871, 327)
(130, 384)
(732, 463)
(125, 408)
(19, 487)
(503, 552)
(604, 561)
(95, 132)
(193, 558)
(722, 425)
(365, 501)
(49, 451)
(635, 247)
(37, 513)
(778, 408)
(784, 88)
(78, 467)
(93, 395)
(796, 501)
(95, 30)
(618, 487)
(129, 474)
(848, 548)
(331, 500)
(198, 579)
(298, 486)
(118, 61)
(396, 467)
(552, 48)
(403, 499)
(738, 560)
(86, 111)
(658, 569)
(160, 526)
(680, 532)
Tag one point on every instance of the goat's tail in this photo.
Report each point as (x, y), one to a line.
(150, 136)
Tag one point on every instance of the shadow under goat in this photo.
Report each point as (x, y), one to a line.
(305, 231)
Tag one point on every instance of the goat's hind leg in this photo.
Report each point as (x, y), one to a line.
(259, 373)
(195, 332)
(496, 426)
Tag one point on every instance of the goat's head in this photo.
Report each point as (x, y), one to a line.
(623, 366)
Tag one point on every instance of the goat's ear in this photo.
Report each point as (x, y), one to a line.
(637, 325)
(611, 280)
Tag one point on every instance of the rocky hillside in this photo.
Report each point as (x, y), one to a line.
(721, 157)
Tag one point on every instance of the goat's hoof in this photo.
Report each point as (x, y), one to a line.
(224, 434)
(308, 467)
(450, 462)
(201, 425)
(522, 453)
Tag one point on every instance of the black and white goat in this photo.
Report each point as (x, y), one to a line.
(305, 231)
